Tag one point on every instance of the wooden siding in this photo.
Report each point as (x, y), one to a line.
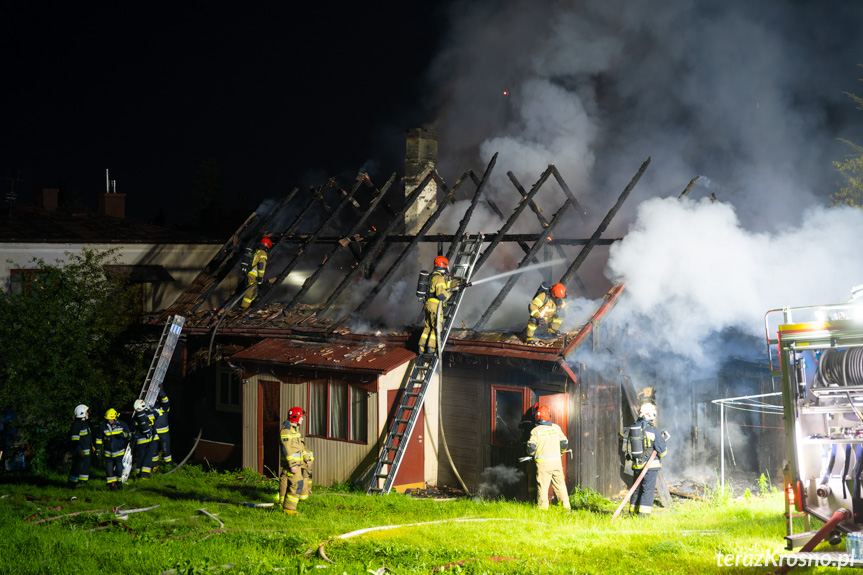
(250, 423)
(465, 403)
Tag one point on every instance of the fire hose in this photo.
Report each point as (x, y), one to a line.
(838, 517)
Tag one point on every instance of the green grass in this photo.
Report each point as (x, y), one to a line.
(684, 539)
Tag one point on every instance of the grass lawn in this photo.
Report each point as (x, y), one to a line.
(462, 536)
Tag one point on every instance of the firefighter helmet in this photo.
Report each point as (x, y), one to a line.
(267, 242)
(558, 290)
(647, 411)
(295, 413)
(543, 413)
(111, 414)
(81, 411)
(138, 405)
(441, 262)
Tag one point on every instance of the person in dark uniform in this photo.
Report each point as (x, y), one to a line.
(112, 439)
(641, 501)
(82, 441)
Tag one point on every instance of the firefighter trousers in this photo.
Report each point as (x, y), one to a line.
(144, 456)
(641, 501)
(163, 444)
(80, 472)
(554, 476)
(307, 483)
(113, 468)
(290, 487)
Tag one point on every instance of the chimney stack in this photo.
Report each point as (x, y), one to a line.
(46, 198)
(420, 158)
(113, 205)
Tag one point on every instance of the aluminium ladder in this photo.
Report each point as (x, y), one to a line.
(387, 466)
(155, 376)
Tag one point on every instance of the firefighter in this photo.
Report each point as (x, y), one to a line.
(293, 449)
(439, 291)
(546, 308)
(163, 443)
(145, 437)
(82, 441)
(641, 501)
(255, 275)
(112, 438)
(546, 444)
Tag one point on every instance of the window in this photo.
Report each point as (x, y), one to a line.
(509, 406)
(21, 281)
(338, 410)
(228, 396)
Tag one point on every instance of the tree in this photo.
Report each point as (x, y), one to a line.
(67, 334)
(852, 169)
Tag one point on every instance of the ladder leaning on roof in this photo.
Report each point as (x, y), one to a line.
(156, 374)
(467, 254)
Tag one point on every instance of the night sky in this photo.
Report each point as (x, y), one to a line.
(278, 95)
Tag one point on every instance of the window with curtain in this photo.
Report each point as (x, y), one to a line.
(338, 410)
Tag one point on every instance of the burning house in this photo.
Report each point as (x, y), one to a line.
(334, 330)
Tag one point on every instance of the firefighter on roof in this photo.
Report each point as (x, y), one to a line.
(546, 308)
(641, 501)
(296, 462)
(439, 290)
(82, 441)
(163, 443)
(112, 440)
(255, 273)
(546, 444)
(145, 436)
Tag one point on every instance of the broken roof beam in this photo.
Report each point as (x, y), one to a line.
(408, 249)
(510, 282)
(267, 295)
(355, 229)
(567, 191)
(515, 214)
(465, 220)
(372, 250)
(689, 187)
(594, 239)
(450, 238)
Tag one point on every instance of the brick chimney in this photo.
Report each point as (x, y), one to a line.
(46, 198)
(113, 205)
(420, 158)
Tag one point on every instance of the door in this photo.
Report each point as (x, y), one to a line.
(557, 404)
(269, 426)
(411, 473)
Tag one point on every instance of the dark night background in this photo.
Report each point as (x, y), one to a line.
(278, 95)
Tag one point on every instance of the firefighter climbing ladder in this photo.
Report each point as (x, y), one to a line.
(155, 375)
(467, 254)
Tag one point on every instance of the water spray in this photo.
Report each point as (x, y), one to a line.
(519, 270)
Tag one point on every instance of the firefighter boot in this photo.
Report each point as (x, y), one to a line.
(291, 512)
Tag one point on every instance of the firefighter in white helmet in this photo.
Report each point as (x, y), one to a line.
(82, 441)
(439, 291)
(546, 444)
(295, 462)
(547, 308)
(114, 434)
(641, 501)
(255, 275)
(145, 435)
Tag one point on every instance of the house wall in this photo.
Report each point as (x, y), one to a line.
(182, 261)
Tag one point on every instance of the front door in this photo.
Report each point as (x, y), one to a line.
(411, 473)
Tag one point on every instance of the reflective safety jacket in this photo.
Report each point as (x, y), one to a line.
(80, 436)
(543, 307)
(258, 266)
(112, 437)
(162, 408)
(546, 444)
(653, 441)
(293, 446)
(145, 429)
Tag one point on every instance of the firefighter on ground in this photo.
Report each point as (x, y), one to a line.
(295, 463)
(82, 441)
(641, 501)
(145, 438)
(112, 438)
(163, 443)
(546, 445)
(546, 308)
(439, 290)
(255, 274)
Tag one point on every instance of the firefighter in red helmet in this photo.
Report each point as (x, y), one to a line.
(296, 463)
(255, 273)
(547, 443)
(439, 290)
(547, 308)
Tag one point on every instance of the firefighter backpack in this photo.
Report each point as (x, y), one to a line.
(246, 260)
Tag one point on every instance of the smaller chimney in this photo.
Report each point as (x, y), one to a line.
(46, 198)
(113, 205)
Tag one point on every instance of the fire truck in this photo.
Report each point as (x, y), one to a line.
(816, 356)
